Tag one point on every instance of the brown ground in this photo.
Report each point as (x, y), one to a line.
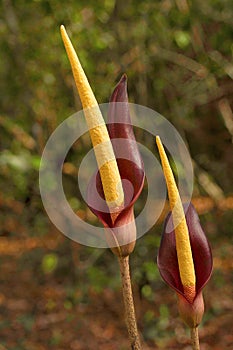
(35, 313)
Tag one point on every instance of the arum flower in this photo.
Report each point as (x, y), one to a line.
(119, 163)
(184, 258)
(121, 226)
(116, 213)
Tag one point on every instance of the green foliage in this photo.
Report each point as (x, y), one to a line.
(56, 337)
(97, 278)
(49, 263)
(151, 272)
(27, 321)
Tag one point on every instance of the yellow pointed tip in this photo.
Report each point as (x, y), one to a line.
(159, 145)
(63, 31)
(171, 184)
(65, 37)
(85, 92)
(158, 139)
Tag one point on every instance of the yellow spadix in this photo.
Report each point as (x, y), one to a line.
(183, 247)
(109, 173)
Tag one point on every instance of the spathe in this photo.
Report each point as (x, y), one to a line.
(201, 252)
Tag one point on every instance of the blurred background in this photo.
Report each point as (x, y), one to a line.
(54, 293)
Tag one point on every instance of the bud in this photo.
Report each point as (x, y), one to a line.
(122, 229)
(184, 257)
(116, 213)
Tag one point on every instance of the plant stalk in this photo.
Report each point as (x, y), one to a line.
(129, 303)
(195, 338)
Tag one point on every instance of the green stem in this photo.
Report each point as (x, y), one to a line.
(129, 304)
(195, 338)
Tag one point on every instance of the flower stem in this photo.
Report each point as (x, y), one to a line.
(129, 304)
(195, 338)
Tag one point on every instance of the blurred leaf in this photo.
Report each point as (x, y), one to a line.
(147, 292)
(182, 38)
(49, 263)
